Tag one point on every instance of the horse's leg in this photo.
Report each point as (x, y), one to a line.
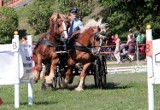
(82, 77)
(68, 72)
(51, 76)
(38, 67)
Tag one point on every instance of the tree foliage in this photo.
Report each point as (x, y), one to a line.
(85, 7)
(8, 24)
(39, 15)
(125, 14)
(41, 10)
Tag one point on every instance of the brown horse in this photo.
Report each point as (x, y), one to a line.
(46, 47)
(85, 46)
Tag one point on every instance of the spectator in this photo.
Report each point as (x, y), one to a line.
(117, 48)
(131, 43)
(109, 39)
(140, 37)
(130, 33)
(24, 40)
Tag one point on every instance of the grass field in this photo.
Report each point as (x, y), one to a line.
(123, 92)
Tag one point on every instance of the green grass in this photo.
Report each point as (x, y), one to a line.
(123, 92)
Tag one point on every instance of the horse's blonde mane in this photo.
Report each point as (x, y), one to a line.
(92, 23)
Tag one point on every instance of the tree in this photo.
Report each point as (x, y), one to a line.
(8, 24)
(39, 15)
(85, 7)
(41, 11)
(125, 14)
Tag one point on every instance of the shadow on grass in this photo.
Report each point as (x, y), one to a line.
(110, 85)
(40, 103)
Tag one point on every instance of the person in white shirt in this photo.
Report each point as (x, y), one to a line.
(117, 48)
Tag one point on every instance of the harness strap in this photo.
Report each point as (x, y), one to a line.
(83, 48)
(46, 42)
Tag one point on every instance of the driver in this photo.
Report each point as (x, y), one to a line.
(75, 23)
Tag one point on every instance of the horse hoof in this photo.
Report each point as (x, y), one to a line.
(43, 87)
(36, 75)
(70, 81)
(78, 89)
(46, 85)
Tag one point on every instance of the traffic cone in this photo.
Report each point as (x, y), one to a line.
(1, 101)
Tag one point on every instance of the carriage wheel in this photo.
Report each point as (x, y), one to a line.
(103, 72)
(59, 79)
(96, 73)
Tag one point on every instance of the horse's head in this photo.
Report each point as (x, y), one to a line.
(58, 26)
(93, 32)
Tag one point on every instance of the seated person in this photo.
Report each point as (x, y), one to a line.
(75, 25)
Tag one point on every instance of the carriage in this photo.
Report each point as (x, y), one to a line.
(98, 69)
(61, 55)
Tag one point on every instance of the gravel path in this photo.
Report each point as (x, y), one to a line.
(21, 4)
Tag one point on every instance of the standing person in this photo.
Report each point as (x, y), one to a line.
(117, 48)
(140, 38)
(24, 40)
(131, 33)
(75, 23)
(131, 43)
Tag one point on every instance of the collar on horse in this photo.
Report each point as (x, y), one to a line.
(81, 47)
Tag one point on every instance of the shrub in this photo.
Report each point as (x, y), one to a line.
(8, 24)
(42, 10)
(39, 15)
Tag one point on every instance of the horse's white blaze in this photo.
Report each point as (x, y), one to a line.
(65, 30)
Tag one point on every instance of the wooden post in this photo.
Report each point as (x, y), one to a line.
(150, 68)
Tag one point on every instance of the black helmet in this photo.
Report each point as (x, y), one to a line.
(74, 10)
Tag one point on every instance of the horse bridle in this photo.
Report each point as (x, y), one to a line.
(57, 26)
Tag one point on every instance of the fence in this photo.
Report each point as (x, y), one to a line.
(140, 50)
(16, 67)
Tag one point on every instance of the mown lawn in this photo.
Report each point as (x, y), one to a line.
(123, 92)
